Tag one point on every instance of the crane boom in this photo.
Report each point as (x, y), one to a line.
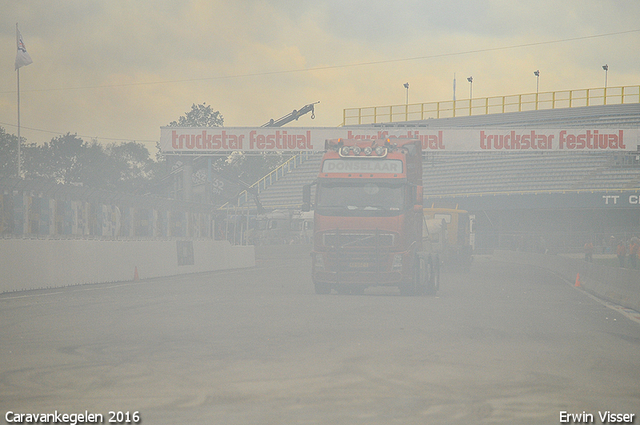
(294, 115)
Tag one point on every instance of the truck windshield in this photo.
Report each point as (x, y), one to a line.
(361, 198)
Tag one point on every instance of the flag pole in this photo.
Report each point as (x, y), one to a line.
(18, 83)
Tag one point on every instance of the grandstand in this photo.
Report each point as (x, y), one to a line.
(518, 198)
(453, 174)
(477, 173)
(287, 192)
(510, 192)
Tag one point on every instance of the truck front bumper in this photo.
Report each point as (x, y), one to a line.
(358, 278)
(356, 269)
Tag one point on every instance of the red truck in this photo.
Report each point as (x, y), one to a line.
(368, 218)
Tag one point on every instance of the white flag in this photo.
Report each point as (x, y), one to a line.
(22, 57)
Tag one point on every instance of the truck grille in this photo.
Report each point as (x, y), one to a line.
(359, 262)
(340, 239)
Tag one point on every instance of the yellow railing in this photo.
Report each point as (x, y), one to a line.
(492, 105)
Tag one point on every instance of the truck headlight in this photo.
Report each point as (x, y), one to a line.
(397, 262)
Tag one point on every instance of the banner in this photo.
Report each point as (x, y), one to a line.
(560, 200)
(180, 140)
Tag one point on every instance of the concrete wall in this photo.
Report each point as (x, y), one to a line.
(618, 285)
(33, 264)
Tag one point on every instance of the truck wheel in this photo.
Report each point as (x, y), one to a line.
(436, 273)
(343, 289)
(357, 290)
(408, 289)
(423, 271)
(430, 284)
(322, 288)
(414, 286)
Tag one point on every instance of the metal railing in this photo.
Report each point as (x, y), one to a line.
(492, 105)
(275, 175)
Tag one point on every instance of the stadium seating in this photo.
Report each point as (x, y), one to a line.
(475, 173)
(483, 172)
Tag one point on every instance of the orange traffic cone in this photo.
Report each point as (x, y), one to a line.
(135, 273)
(577, 285)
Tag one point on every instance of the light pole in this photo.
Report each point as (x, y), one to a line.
(470, 80)
(406, 105)
(454, 96)
(537, 74)
(454, 87)
(606, 71)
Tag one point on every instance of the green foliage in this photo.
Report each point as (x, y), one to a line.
(200, 116)
(238, 165)
(124, 167)
(8, 154)
(131, 166)
(68, 159)
(251, 168)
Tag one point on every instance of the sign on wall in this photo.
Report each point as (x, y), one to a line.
(265, 139)
(550, 201)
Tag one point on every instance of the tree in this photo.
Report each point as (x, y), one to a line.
(251, 168)
(68, 159)
(237, 165)
(200, 116)
(8, 154)
(132, 166)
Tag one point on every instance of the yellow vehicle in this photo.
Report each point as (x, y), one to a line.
(448, 233)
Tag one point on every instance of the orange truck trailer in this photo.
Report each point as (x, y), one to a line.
(368, 218)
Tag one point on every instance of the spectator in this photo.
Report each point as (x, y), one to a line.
(612, 244)
(588, 252)
(621, 252)
(633, 252)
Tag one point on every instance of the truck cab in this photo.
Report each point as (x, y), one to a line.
(368, 218)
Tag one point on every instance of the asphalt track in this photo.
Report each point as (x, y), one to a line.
(503, 344)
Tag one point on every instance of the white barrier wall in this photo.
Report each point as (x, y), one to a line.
(618, 285)
(33, 264)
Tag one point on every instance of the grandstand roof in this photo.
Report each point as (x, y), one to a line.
(620, 116)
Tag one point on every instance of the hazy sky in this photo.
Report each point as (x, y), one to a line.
(121, 69)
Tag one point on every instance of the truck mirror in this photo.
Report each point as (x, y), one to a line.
(419, 196)
(415, 195)
(306, 198)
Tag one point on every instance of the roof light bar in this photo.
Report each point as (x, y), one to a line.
(379, 151)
